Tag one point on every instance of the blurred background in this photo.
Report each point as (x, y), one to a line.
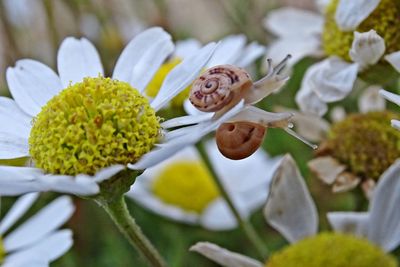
(35, 28)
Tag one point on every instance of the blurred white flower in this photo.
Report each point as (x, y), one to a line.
(182, 189)
(38, 241)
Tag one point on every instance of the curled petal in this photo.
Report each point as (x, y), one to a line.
(326, 168)
(367, 48)
(371, 100)
(355, 223)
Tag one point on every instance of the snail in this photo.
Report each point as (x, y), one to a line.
(239, 140)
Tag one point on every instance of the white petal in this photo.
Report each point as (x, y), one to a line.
(390, 96)
(367, 48)
(48, 249)
(223, 256)
(77, 59)
(290, 208)
(307, 100)
(32, 84)
(350, 13)
(13, 146)
(186, 120)
(157, 155)
(371, 100)
(186, 48)
(395, 124)
(13, 119)
(326, 168)
(17, 210)
(298, 47)
(37, 227)
(394, 60)
(251, 52)
(338, 113)
(182, 75)
(384, 225)
(192, 110)
(150, 61)
(289, 21)
(355, 223)
(333, 79)
(23, 261)
(228, 50)
(18, 180)
(135, 50)
(81, 185)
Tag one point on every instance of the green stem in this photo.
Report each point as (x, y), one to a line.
(119, 213)
(244, 224)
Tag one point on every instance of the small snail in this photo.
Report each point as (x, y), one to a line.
(239, 140)
(221, 87)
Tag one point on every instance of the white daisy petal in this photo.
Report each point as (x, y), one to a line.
(81, 185)
(44, 222)
(395, 124)
(390, 96)
(250, 54)
(190, 109)
(186, 120)
(135, 50)
(307, 100)
(48, 249)
(350, 13)
(223, 256)
(13, 146)
(355, 223)
(228, 50)
(290, 208)
(14, 120)
(371, 100)
(18, 180)
(333, 79)
(218, 216)
(77, 59)
(384, 225)
(394, 60)
(186, 48)
(32, 84)
(150, 61)
(23, 261)
(289, 21)
(104, 173)
(367, 48)
(182, 75)
(17, 210)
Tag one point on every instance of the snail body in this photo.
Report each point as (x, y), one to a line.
(220, 87)
(239, 140)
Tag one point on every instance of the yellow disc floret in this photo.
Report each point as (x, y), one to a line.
(155, 84)
(332, 250)
(186, 184)
(91, 125)
(384, 20)
(366, 143)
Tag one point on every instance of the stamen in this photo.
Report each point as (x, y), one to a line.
(295, 135)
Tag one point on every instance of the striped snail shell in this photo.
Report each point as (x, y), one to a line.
(218, 87)
(239, 140)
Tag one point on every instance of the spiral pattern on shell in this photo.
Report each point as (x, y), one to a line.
(239, 140)
(218, 87)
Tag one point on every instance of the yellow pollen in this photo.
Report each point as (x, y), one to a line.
(186, 184)
(91, 125)
(332, 250)
(384, 20)
(155, 84)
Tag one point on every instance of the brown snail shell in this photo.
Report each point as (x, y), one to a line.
(239, 140)
(218, 87)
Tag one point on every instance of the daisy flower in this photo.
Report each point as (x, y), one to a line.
(353, 34)
(182, 189)
(80, 128)
(344, 158)
(37, 241)
(360, 238)
(231, 50)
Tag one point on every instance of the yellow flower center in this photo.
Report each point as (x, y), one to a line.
(186, 184)
(366, 143)
(384, 20)
(155, 84)
(2, 251)
(93, 124)
(332, 250)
